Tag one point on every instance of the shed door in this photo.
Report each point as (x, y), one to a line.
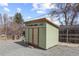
(30, 35)
(26, 35)
(36, 36)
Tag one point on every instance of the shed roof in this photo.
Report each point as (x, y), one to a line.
(42, 20)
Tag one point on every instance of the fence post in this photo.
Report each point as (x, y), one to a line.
(67, 34)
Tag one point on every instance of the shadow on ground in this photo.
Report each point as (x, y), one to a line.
(22, 43)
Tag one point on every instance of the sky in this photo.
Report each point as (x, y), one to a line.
(28, 10)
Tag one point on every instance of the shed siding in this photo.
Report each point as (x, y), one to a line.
(52, 35)
(42, 38)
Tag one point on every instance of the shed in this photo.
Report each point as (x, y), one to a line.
(42, 33)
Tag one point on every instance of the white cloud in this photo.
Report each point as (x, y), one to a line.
(42, 7)
(19, 10)
(6, 9)
(47, 6)
(3, 3)
(40, 11)
(56, 22)
(29, 17)
(35, 6)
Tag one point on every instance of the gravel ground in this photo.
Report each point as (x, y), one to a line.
(13, 48)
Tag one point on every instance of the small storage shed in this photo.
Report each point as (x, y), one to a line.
(42, 33)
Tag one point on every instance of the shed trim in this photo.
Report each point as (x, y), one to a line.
(42, 20)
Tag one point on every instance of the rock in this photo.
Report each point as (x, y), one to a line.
(31, 47)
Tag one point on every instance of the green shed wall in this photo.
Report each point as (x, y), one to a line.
(52, 36)
(42, 38)
(42, 35)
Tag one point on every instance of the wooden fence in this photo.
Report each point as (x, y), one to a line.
(72, 36)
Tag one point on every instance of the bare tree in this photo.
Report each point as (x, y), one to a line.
(68, 11)
(66, 14)
(18, 24)
(5, 19)
(0, 19)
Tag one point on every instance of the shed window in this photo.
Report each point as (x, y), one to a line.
(41, 24)
(35, 25)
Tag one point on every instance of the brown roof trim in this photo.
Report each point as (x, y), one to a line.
(51, 23)
(42, 20)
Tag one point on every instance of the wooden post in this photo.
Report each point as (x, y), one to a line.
(67, 34)
(33, 36)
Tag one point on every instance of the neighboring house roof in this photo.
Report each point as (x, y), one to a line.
(42, 20)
